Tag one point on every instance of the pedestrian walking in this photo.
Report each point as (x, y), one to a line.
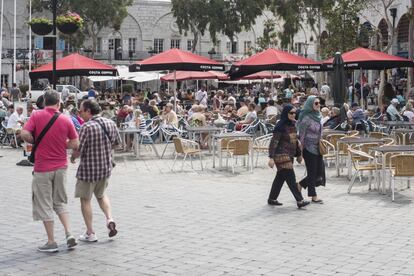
(97, 136)
(49, 175)
(283, 149)
(310, 133)
(15, 93)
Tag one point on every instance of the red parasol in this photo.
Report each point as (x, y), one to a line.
(74, 65)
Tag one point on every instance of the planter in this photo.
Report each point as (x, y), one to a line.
(68, 28)
(41, 28)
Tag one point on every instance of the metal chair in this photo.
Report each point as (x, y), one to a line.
(356, 158)
(261, 145)
(186, 148)
(403, 169)
(167, 134)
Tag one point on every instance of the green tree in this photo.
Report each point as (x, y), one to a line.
(98, 14)
(217, 16)
(269, 38)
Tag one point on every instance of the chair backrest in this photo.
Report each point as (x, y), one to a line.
(333, 139)
(178, 145)
(263, 140)
(366, 148)
(352, 133)
(357, 156)
(388, 141)
(239, 147)
(378, 135)
(403, 165)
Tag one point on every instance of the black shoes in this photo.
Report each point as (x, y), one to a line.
(274, 202)
(303, 203)
(319, 201)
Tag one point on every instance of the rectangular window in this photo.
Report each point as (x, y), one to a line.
(234, 47)
(190, 44)
(132, 45)
(228, 46)
(299, 48)
(175, 43)
(218, 46)
(247, 46)
(158, 45)
(98, 45)
(111, 44)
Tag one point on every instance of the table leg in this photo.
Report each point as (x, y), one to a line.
(349, 164)
(213, 141)
(337, 161)
(384, 157)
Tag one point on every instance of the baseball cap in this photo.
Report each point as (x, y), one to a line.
(394, 101)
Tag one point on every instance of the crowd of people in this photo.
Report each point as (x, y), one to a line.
(90, 128)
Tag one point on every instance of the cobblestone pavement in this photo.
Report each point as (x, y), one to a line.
(210, 223)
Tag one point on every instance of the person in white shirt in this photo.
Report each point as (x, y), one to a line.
(271, 110)
(16, 120)
(251, 116)
(325, 91)
(392, 110)
(65, 94)
(201, 96)
(325, 115)
(409, 112)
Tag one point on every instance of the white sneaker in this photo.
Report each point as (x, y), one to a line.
(88, 238)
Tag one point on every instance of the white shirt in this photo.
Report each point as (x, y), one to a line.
(325, 89)
(271, 111)
(14, 119)
(409, 114)
(65, 93)
(201, 97)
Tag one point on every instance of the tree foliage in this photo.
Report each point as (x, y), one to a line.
(98, 14)
(216, 16)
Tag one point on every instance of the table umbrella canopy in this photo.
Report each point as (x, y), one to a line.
(194, 75)
(272, 59)
(74, 65)
(362, 58)
(176, 59)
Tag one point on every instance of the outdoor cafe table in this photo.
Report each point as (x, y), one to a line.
(137, 133)
(400, 124)
(203, 129)
(351, 141)
(404, 133)
(229, 135)
(384, 150)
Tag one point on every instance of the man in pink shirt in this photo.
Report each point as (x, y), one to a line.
(49, 175)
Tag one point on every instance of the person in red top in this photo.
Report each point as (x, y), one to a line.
(49, 175)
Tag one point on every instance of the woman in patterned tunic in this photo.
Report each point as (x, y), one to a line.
(282, 150)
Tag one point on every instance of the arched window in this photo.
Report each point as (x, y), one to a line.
(383, 29)
(365, 34)
(402, 33)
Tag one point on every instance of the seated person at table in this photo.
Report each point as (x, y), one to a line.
(197, 118)
(408, 112)
(15, 122)
(244, 109)
(250, 117)
(392, 111)
(139, 120)
(271, 111)
(358, 117)
(169, 117)
(229, 112)
(325, 115)
(334, 120)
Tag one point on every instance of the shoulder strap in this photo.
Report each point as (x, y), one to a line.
(105, 130)
(47, 127)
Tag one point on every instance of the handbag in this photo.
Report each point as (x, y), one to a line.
(323, 148)
(37, 141)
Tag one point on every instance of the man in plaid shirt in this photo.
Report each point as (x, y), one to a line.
(97, 137)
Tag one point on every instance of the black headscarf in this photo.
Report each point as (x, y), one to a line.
(284, 119)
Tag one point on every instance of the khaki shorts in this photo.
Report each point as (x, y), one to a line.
(49, 194)
(85, 189)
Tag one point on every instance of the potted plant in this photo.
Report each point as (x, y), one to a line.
(41, 25)
(69, 23)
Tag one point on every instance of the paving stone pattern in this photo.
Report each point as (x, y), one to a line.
(210, 223)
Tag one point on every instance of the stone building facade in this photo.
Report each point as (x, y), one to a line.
(150, 28)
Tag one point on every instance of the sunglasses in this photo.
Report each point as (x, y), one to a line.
(316, 103)
(292, 113)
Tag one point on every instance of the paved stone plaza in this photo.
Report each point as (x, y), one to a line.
(210, 223)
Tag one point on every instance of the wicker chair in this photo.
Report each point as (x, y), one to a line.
(378, 135)
(403, 168)
(239, 147)
(186, 148)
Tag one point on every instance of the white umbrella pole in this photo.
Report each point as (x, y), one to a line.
(362, 90)
(175, 92)
(30, 44)
(1, 36)
(271, 85)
